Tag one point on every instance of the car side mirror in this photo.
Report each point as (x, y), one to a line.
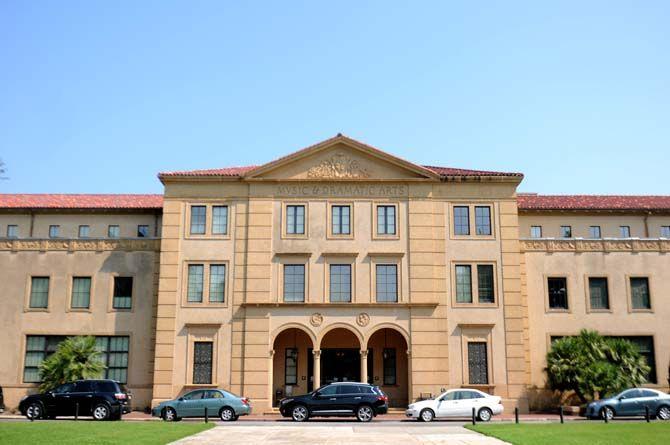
(181, 399)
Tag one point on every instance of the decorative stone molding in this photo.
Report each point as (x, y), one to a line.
(364, 353)
(317, 353)
(362, 319)
(605, 245)
(339, 166)
(74, 245)
(316, 319)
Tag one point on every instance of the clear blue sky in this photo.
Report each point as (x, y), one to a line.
(99, 96)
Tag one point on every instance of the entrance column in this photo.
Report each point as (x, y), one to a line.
(317, 368)
(364, 366)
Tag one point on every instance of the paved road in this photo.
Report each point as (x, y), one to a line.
(332, 433)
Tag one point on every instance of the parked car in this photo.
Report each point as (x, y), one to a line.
(101, 399)
(456, 403)
(631, 402)
(2, 401)
(218, 403)
(341, 399)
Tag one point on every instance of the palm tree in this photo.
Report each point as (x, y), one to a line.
(76, 358)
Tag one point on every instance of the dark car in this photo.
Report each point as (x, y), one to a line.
(631, 402)
(101, 399)
(341, 399)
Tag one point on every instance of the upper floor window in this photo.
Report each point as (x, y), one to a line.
(12, 231)
(341, 219)
(386, 282)
(461, 220)
(220, 220)
(142, 231)
(200, 274)
(84, 231)
(639, 293)
(340, 282)
(81, 293)
(122, 297)
(598, 293)
(54, 230)
(294, 282)
(483, 220)
(566, 231)
(665, 231)
(198, 220)
(113, 231)
(558, 293)
(386, 220)
(39, 292)
(295, 219)
(624, 231)
(463, 284)
(217, 283)
(485, 283)
(536, 231)
(196, 276)
(594, 232)
(484, 279)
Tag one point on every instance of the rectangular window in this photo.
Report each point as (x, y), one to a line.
(295, 220)
(220, 220)
(114, 355)
(38, 348)
(624, 231)
(84, 231)
(485, 283)
(294, 282)
(598, 293)
(483, 220)
(665, 231)
(143, 231)
(646, 346)
(123, 293)
(202, 362)
(461, 220)
(389, 357)
(291, 366)
(39, 292)
(196, 277)
(639, 293)
(341, 220)
(478, 369)
(113, 231)
(536, 231)
(558, 292)
(463, 284)
(566, 232)
(54, 231)
(340, 282)
(198, 220)
(386, 220)
(217, 283)
(12, 231)
(81, 292)
(594, 232)
(387, 282)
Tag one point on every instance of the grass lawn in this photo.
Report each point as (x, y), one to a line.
(591, 433)
(85, 432)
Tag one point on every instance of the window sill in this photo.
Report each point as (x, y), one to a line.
(641, 311)
(36, 309)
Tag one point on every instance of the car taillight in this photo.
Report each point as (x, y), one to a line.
(383, 398)
(120, 396)
(245, 401)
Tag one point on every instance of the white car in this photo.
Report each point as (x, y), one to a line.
(456, 403)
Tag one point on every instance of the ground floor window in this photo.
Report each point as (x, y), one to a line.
(478, 370)
(389, 366)
(646, 346)
(291, 366)
(202, 362)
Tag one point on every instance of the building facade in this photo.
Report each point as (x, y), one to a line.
(337, 262)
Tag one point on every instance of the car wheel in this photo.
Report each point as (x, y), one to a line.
(300, 413)
(101, 412)
(227, 414)
(34, 411)
(663, 413)
(485, 414)
(607, 413)
(169, 414)
(426, 415)
(364, 413)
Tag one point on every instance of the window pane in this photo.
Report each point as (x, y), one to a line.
(598, 293)
(340, 282)
(390, 220)
(389, 357)
(294, 282)
(53, 231)
(113, 232)
(558, 293)
(594, 232)
(12, 231)
(295, 220)
(81, 292)
(84, 231)
(198, 220)
(123, 293)
(639, 290)
(665, 231)
(483, 220)
(624, 231)
(291, 366)
(38, 348)
(478, 363)
(340, 220)
(195, 282)
(566, 232)
(220, 220)
(39, 292)
(461, 220)
(485, 283)
(217, 283)
(463, 284)
(536, 231)
(142, 231)
(202, 362)
(386, 220)
(387, 282)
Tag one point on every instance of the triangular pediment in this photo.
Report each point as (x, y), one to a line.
(341, 159)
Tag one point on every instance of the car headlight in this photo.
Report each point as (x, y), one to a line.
(410, 406)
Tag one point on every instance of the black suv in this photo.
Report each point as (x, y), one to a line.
(102, 399)
(341, 399)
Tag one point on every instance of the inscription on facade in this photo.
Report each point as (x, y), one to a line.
(342, 190)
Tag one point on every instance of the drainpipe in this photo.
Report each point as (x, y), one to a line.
(646, 224)
(32, 223)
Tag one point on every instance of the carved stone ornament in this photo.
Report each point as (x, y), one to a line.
(363, 319)
(610, 245)
(338, 166)
(316, 319)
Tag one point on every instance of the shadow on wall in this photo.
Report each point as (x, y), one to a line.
(546, 400)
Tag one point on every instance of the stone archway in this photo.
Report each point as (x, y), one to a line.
(388, 359)
(291, 362)
(341, 355)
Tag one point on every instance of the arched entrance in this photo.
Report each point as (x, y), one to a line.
(340, 357)
(388, 364)
(292, 364)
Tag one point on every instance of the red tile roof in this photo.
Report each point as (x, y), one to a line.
(226, 171)
(448, 171)
(80, 201)
(593, 202)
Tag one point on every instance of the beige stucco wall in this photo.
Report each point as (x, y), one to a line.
(641, 226)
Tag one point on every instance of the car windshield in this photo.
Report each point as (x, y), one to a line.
(447, 396)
